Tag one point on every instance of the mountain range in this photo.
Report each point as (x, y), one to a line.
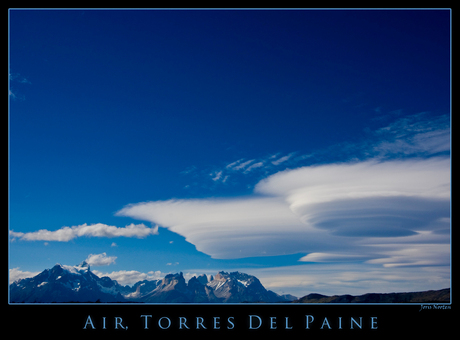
(64, 283)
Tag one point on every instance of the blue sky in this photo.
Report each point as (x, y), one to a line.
(310, 148)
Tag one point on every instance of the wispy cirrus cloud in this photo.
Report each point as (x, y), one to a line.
(66, 234)
(417, 135)
(254, 166)
(16, 79)
(232, 165)
(217, 175)
(242, 165)
(414, 135)
(257, 166)
(282, 159)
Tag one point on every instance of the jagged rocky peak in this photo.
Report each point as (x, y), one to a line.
(194, 282)
(83, 265)
(235, 276)
(240, 275)
(203, 279)
(56, 266)
(174, 280)
(221, 276)
(173, 277)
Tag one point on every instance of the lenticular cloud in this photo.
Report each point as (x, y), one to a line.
(341, 209)
(392, 198)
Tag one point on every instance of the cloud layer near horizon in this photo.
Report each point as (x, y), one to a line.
(373, 210)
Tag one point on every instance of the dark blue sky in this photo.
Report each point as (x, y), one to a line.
(117, 107)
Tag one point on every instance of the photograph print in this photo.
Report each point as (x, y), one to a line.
(229, 157)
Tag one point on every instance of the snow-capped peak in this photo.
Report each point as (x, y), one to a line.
(83, 265)
(78, 269)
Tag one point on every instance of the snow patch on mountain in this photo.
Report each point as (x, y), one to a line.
(244, 283)
(78, 269)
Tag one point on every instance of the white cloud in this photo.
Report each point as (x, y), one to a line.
(425, 142)
(14, 235)
(243, 165)
(303, 157)
(233, 164)
(100, 259)
(16, 79)
(16, 274)
(11, 94)
(189, 170)
(217, 175)
(223, 228)
(330, 257)
(129, 277)
(66, 234)
(254, 166)
(393, 255)
(427, 178)
(282, 159)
